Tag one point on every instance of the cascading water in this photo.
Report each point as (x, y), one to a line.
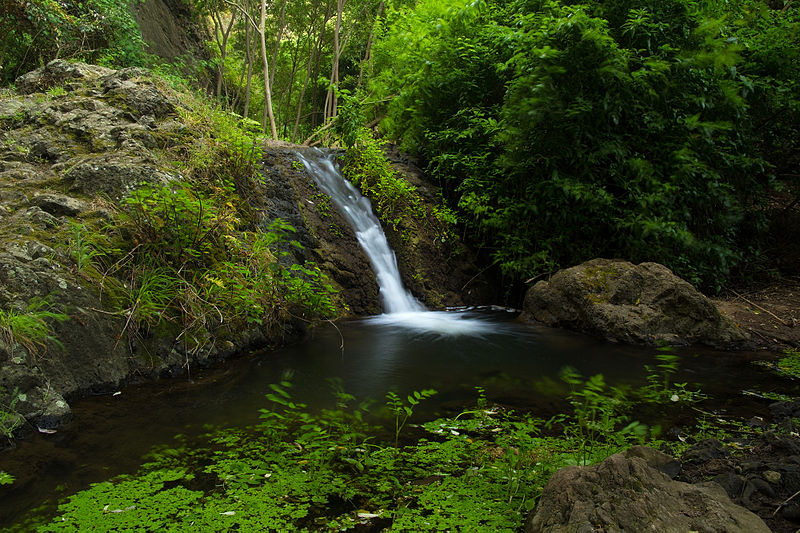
(400, 306)
(358, 212)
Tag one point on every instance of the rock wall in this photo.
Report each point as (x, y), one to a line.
(168, 29)
(76, 139)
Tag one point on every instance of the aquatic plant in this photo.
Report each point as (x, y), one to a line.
(300, 469)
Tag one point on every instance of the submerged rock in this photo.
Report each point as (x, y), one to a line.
(626, 493)
(623, 302)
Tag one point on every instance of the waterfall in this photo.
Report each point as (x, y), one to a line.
(358, 212)
(401, 309)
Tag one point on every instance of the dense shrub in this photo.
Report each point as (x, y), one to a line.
(35, 31)
(627, 128)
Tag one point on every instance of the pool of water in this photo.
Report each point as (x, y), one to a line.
(517, 365)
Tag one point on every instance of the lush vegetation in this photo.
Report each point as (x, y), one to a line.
(35, 31)
(562, 131)
(31, 328)
(398, 203)
(480, 469)
(188, 258)
(559, 131)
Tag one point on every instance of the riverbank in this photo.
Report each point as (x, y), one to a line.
(769, 313)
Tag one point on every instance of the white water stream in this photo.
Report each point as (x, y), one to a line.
(399, 305)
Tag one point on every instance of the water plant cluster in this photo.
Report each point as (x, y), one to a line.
(335, 468)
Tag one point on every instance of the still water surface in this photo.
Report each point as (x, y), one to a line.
(517, 365)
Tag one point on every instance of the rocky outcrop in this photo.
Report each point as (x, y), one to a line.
(631, 492)
(75, 140)
(622, 302)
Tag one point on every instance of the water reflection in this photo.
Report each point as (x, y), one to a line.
(517, 365)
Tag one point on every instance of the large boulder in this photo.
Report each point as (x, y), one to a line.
(631, 492)
(623, 302)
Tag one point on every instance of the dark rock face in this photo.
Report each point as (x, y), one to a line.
(168, 29)
(439, 271)
(67, 157)
(75, 141)
(626, 493)
(289, 193)
(623, 302)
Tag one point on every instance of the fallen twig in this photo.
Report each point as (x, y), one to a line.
(341, 337)
(785, 502)
(788, 323)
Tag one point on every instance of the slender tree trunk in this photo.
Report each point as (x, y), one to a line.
(312, 71)
(278, 37)
(267, 89)
(286, 98)
(368, 53)
(331, 99)
(221, 35)
(315, 76)
(248, 53)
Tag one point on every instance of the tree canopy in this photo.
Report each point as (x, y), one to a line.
(558, 130)
(634, 128)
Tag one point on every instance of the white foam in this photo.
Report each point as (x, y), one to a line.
(438, 323)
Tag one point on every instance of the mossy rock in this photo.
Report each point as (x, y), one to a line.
(622, 302)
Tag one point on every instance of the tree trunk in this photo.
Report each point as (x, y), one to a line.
(368, 53)
(248, 53)
(278, 37)
(221, 35)
(267, 89)
(331, 99)
(312, 70)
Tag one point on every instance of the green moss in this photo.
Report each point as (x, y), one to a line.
(597, 279)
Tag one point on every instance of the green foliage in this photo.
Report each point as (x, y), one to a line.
(6, 478)
(86, 247)
(600, 423)
(660, 387)
(789, 365)
(402, 410)
(627, 128)
(350, 119)
(177, 224)
(9, 422)
(304, 470)
(187, 253)
(35, 32)
(394, 198)
(31, 328)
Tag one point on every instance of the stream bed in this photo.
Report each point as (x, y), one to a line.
(517, 364)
